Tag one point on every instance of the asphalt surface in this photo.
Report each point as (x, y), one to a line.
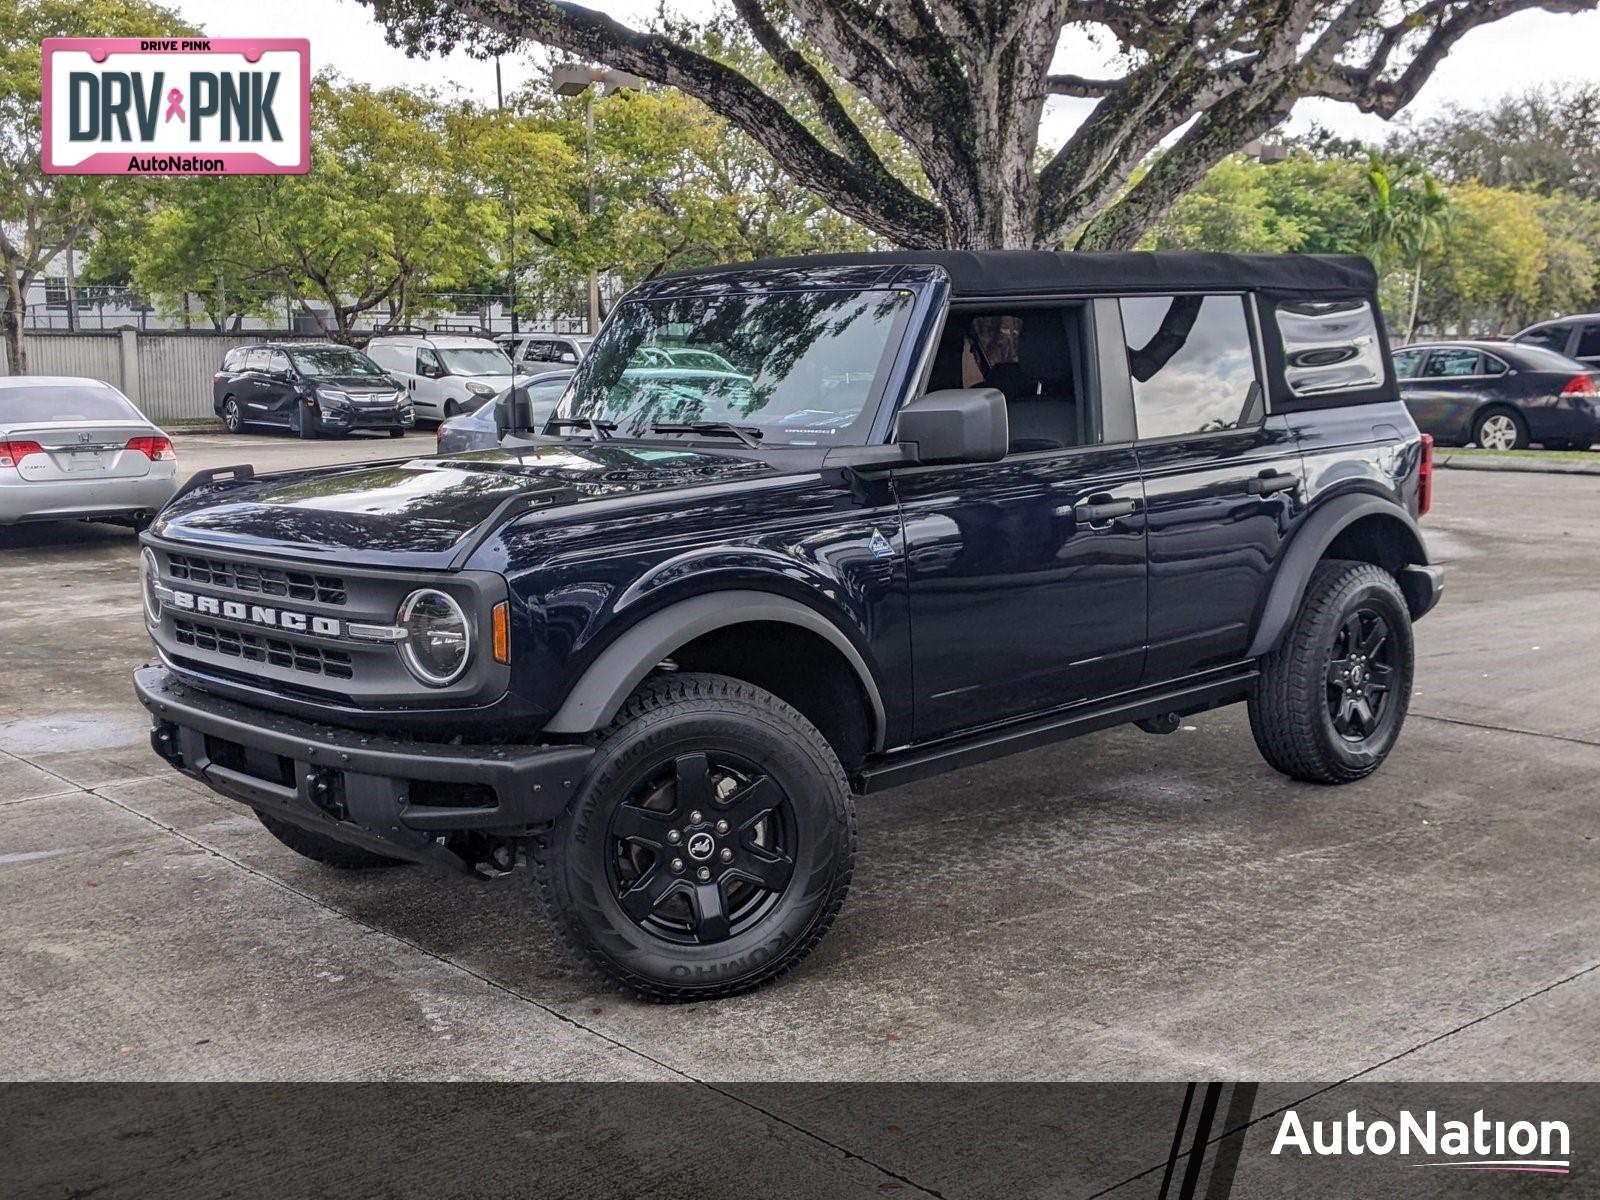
(1124, 906)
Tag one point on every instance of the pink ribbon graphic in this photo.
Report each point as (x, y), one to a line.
(175, 105)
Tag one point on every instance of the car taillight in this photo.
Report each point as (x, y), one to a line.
(1580, 385)
(156, 449)
(1425, 477)
(12, 453)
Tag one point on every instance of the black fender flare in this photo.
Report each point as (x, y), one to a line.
(1311, 542)
(621, 666)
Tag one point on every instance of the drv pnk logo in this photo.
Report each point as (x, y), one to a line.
(171, 106)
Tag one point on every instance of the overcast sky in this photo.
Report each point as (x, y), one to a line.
(1507, 56)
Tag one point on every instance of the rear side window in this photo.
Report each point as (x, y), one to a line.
(1589, 342)
(1551, 337)
(1193, 364)
(1330, 346)
(233, 360)
(1406, 363)
(255, 360)
(1451, 364)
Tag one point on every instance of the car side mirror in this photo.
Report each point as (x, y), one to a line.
(958, 425)
(513, 413)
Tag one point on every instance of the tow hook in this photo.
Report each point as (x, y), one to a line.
(164, 741)
(326, 794)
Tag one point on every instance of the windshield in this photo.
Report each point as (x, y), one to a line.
(475, 360)
(801, 368)
(64, 403)
(333, 362)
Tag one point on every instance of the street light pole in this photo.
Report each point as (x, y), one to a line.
(511, 210)
(569, 79)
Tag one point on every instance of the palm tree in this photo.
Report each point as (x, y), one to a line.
(1408, 213)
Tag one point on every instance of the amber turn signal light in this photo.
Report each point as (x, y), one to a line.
(502, 632)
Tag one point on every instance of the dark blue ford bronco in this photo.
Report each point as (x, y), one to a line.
(799, 531)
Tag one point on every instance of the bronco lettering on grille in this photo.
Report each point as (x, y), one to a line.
(257, 614)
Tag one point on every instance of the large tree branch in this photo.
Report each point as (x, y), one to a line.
(871, 195)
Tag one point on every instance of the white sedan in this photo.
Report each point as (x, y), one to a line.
(77, 449)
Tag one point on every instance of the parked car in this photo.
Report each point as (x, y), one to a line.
(1577, 337)
(1501, 395)
(543, 351)
(74, 449)
(310, 388)
(446, 375)
(944, 507)
(476, 430)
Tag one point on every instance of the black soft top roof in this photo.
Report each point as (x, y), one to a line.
(1024, 272)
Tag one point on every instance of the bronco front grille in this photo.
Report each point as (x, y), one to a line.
(256, 579)
(250, 647)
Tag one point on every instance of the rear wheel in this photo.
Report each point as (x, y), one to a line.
(325, 850)
(1330, 700)
(1500, 429)
(397, 433)
(709, 849)
(232, 416)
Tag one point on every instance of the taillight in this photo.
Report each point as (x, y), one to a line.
(156, 449)
(1581, 385)
(1425, 477)
(12, 453)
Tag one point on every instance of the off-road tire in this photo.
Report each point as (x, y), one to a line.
(325, 850)
(683, 714)
(1289, 703)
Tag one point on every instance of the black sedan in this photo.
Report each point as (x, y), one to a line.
(1500, 395)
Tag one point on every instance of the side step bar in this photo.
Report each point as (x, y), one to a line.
(920, 762)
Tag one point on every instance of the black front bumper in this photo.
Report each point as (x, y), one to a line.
(388, 795)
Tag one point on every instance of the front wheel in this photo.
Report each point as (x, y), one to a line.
(709, 849)
(1500, 429)
(306, 421)
(394, 433)
(1330, 700)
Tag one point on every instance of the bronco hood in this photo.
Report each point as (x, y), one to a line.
(422, 512)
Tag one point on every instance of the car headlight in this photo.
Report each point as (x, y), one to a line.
(480, 389)
(438, 640)
(149, 581)
(333, 396)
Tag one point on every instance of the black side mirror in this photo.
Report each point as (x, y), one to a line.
(513, 413)
(955, 426)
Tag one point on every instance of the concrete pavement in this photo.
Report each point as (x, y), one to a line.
(1119, 907)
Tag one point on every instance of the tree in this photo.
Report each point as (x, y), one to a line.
(1491, 260)
(42, 215)
(1406, 218)
(1545, 139)
(963, 85)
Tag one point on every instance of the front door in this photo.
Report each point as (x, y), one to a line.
(1026, 576)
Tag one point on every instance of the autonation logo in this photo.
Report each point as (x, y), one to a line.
(1475, 1145)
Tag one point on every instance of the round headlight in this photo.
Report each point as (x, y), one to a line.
(149, 573)
(438, 640)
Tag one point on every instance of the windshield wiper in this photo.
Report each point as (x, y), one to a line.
(600, 429)
(745, 433)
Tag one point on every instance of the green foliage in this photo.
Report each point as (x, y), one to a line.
(1491, 263)
(42, 215)
(1303, 204)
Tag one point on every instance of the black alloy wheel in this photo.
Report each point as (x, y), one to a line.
(1360, 675)
(709, 847)
(702, 849)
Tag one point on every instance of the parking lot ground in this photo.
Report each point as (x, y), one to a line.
(1119, 907)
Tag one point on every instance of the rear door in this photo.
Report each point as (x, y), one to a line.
(1588, 348)
(1223, 481)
